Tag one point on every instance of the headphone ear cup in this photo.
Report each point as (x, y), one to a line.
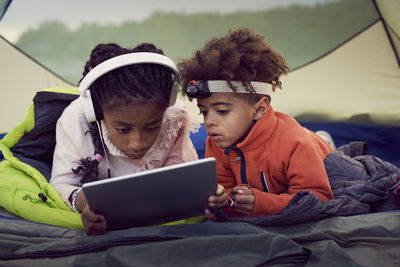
(88, 107)
(173, 96)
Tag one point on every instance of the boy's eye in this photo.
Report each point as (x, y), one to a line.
(203, 112)
(222, 111)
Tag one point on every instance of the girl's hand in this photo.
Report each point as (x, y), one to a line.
(95, 224)
(219, 200)
(243, 200)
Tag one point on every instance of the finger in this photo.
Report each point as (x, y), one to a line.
(91, 216)
(241, 205)
(96, 228)
(238, 189)
(218, 199)
(245, 191)
(243, 211)
(88, 214)
(209, 215)
(219, 202)
(234, 190)
(245, 199)
(220, 190)
(244, 208)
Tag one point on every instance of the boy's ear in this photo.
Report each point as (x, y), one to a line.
(260, 108)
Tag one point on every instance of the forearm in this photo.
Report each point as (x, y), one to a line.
(268, 203)
(77, 200)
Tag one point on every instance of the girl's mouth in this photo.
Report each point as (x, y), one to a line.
(135, 156)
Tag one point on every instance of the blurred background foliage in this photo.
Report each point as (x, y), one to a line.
(300, 33)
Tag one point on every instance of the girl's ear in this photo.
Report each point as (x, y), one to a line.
(260, 108)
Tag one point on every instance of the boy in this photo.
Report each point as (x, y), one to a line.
(263, 157)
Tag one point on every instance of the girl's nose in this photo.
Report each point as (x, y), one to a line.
(137, 142)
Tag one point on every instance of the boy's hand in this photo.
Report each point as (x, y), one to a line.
(219, 200)
(243, 200)
(95, 224)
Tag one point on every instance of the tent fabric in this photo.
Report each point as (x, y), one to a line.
(361, 76)
(21, 77)
(4, 4)
(389, 12)
(383, 140)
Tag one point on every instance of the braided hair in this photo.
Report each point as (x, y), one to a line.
(119, 87)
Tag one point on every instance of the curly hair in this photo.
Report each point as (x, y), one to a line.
(122, 86)
(241, 55)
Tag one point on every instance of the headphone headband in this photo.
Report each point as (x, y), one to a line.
(118, 62)
(121, 61)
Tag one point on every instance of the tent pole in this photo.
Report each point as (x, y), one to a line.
(385, 26)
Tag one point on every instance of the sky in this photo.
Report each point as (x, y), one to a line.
(23, 14)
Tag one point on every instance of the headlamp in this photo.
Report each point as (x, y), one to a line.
(204, 88)
(197, 89)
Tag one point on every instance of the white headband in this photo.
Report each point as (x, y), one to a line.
(223, 87)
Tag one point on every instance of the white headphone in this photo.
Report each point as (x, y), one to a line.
(117, 62)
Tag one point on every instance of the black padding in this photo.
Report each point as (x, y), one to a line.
(36, 148)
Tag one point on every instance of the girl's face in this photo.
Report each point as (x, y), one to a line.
(134, 128)
(227, 118)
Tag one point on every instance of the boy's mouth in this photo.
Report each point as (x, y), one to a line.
(214, 136)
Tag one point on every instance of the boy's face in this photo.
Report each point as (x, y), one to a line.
(227, 118)
(134, 128)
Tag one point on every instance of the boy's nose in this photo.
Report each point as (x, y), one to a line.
(208, 121)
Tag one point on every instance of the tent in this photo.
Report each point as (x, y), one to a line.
(21, 76)
(356, 86)
(350, 91)
(16, 95)
(361, 76)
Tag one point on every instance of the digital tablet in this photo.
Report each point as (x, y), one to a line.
(155, 196)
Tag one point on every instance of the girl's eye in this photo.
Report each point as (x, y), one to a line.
(222, 111)
(152, 129)
(122, 130)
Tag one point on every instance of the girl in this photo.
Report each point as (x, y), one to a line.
(133, 127)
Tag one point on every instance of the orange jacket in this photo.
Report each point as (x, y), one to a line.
(279, 158)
